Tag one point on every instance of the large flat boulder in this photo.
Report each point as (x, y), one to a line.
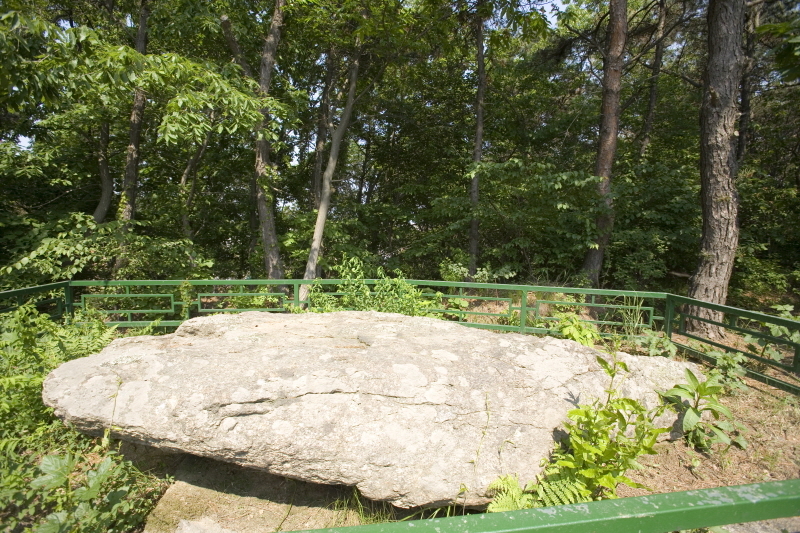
(414, 411)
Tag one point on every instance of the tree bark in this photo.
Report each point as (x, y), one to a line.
(130, 183)
(265, 200)
(613, 63)
(322, 128)
(327, 177)
(106, 183)
(718, 165)
(261, 183)
(187, 191)
(131, 179)
(752, 21)
(477, 151)
(658, 59)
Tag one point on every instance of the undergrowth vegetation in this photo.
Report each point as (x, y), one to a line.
(52, 478)
(388, 295)
(604, 440)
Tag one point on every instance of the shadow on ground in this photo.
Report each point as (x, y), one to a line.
(209, 496)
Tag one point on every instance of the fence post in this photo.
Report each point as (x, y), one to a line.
(669, 315)
(296, 288)
(523, 311)
(68, 296)
(796, 363)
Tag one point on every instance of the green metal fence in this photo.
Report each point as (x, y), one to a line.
(658, 513)
(771, 343)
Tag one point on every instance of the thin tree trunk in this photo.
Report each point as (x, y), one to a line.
(261, 183)
(718, 166)
(753, 20)
(322, 128)
(658, 59)
(265, 199)
(106, 183)
(130, 183)
(190, 172)
(327, 177)
(477, 151)
(616, 36)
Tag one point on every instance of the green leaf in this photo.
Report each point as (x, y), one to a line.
(57, 469)
(690, 419)
(692, 379)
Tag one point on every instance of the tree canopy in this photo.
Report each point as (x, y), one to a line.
(404, 123)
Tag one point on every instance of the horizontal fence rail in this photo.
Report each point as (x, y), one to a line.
(658, 513)
(770, 343)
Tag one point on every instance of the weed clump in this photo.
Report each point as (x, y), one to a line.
(53, 478)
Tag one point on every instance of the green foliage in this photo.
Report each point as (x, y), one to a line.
(696, 398)
(654, 343)
(452, 271)
(728, 370)
(604, 440)
(570, 326)
(787, 54)
(389, 295)
(775, 348)
(53, 479)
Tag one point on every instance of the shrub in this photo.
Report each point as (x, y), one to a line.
(51, 477)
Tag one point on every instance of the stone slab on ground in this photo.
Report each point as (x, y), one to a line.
(413, 411)
(214, 497)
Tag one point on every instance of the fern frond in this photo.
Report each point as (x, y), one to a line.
(560, 489)
(508, 495)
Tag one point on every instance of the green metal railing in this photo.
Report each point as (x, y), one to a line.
(774, 345)
(658, 513)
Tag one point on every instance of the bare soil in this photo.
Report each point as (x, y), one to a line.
(772, 419)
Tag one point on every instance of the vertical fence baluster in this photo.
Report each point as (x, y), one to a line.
(796, 363)
(669, 314)
(523, 311)
(68, 296)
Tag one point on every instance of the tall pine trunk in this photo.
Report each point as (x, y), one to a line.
(613, 63)
(718, 165)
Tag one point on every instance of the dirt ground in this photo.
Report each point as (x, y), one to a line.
(212, 497)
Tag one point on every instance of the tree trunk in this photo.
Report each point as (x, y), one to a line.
(130, 182)
(752, 21)
(613, 62)
(106, 183)
(718, 164)
(187, 191)
(261, 183)
(327, 177)
(477, 151)
(658, 59)
(265, 200)
(322, 128)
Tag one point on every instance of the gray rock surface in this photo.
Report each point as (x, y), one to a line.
(414, 411)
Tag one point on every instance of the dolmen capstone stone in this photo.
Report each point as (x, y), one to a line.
(412, 411)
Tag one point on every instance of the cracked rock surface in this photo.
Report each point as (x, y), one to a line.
(413, 411)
